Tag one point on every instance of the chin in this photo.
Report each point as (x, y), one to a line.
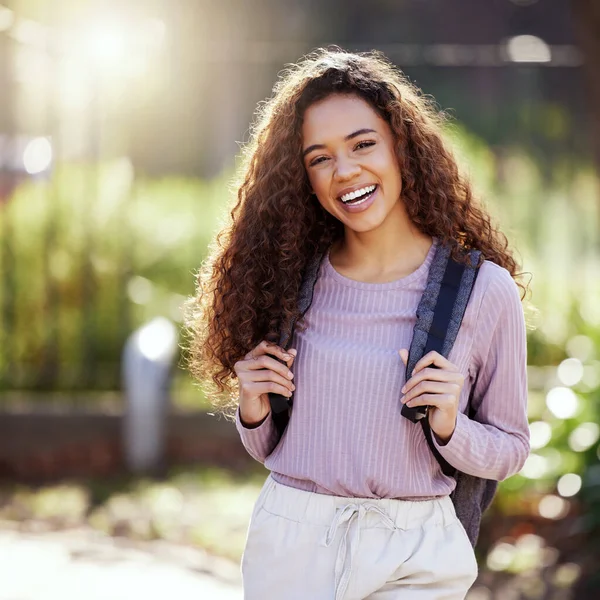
(362, 228)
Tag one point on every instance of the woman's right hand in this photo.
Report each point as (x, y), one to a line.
(260, 374)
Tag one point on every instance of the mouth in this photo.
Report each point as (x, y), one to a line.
(359, 196)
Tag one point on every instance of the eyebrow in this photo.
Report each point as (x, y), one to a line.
(348, 137)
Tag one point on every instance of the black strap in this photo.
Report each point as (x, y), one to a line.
(437, 335)
(447, 468)
(281, 405)
(444, 307)
(443, 312)
(280, 411)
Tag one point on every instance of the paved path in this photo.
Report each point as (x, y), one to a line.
(84, 564)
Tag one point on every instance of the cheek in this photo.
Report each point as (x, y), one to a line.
(388, 163)
(318, 181)
(389, 166)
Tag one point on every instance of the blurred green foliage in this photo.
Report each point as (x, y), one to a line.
(90, 256)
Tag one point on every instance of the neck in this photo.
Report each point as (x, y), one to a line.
(396, 247)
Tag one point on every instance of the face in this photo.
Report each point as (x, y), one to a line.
(351, 162)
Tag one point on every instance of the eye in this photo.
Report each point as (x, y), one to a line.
(317, 161)
(365, 144)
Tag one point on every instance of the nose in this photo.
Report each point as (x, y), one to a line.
(346, 169)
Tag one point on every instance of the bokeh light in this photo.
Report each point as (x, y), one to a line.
(553, 507)
(591, 375)
(528, 48)
(156, 339)
(535, 466)
(581, 347)
(140, 290)
(540, 434)
(107, 44)
(570, 371)
(566, 575)
(584, 437)
(569, 485)
(37, 157)
(500, 557)
(562, 402)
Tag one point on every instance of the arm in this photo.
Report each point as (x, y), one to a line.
(497, 444)
(259, 440)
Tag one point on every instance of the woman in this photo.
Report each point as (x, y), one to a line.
(347, 159)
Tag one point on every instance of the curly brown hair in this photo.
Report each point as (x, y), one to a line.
(247, 288)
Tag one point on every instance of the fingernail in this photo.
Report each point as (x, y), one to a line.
(413, 371)
(403, 389)
(293, 351)
(290, 375)
(287, 356)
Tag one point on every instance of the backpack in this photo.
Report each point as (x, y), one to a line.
(439, 315)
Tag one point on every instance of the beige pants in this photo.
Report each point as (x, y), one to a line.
(305, 546)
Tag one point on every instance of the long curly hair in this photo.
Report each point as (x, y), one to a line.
(247, 288)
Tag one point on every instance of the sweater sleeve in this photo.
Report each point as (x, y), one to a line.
(259, 441)
(496, 444)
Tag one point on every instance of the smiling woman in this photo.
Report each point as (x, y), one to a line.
(347, 185)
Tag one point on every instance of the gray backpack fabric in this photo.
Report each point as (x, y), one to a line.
(439, 316)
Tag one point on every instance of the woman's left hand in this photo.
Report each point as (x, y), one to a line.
(438, 388)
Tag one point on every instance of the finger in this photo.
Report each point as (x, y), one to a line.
(264, 361)
(292, 352)
(441, 401)
(434, 387)
(267, 375)
(288, 363)
(433, 375)
(266, 347)
(259, 349)
(256, 388)
(435, 359)
(404, 355)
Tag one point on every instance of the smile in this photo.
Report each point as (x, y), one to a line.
(358, 196)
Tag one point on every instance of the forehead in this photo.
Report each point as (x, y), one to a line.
(336, 116)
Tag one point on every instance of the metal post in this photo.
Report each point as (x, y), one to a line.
(147, 366)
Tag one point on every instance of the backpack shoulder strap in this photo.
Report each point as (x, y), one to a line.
(439, 317)
(281, 405)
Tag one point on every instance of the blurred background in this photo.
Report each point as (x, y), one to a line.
(120, 125)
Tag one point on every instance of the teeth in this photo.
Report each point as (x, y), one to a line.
(357, 193)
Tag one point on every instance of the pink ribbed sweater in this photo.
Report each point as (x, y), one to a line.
(346, 436)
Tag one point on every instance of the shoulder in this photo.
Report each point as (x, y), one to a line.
(497, 305)
(496, 287)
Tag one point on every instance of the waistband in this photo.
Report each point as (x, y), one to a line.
(320, 509)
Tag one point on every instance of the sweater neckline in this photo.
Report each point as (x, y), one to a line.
(420, 272)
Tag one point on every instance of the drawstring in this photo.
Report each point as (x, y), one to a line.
(350, 513)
